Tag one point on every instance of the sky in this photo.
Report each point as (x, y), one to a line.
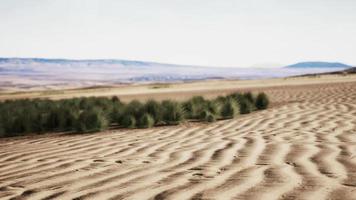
(236, 33)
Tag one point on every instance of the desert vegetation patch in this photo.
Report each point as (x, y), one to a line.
(93, 114)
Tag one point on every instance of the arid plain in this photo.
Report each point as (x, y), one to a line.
(302, 147)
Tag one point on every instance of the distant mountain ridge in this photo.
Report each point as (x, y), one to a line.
(90, 62)
(39, 73)
(75, 61)
(319, 65)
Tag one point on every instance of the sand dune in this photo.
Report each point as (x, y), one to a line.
(304, 147)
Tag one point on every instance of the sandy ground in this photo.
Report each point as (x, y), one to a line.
(304, 147)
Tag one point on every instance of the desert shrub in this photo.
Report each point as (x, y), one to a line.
(87, 114)
(220, 100)
(61, 116)
(91, 121)
(229, 108)
(250, 97)
(212, 107)
(115, 99)
(90, 102)
(105, 104)
(85, 103)
(262, 101)
(245, 106)
(146, 121)
(53, 119)
(128, 121)
(69, 117)
(20, 125)
(7, 122)
(188, 108)
(42, 121)
(196, 107)
(26, 122)
(154, 109)
(198, 99)
(117, 112)
(172, 112)
(236, 96)
(245, 102)
(204, 114)
(210, 118)
(134, 108)
(2, 131)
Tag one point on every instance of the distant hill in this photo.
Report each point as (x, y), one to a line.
(58, 62)
(318, 65)
(43, 73)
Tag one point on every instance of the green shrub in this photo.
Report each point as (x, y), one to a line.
(2, 131)
(7, 122)
(128, 121)
(210, 118)
(236, 96)
(262, 101)
(198, 99)
(69, 118)
(154, 108)
(146, 121)
(117, 113)
(212, 107)
(53, 119)
(204, 114)
(172, 112)
(220, 100)
(229, 108)
(87, 114)
(245, 106)
(91, 121)
(250, 97)
(85, 103)
(23, 124)
(194, 107)
(115, 99)
(245, 101)
(42, 121)
(134, 108)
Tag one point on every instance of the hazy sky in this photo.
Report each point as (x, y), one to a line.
(200, 32)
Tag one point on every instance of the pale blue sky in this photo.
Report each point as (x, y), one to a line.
(200, 32)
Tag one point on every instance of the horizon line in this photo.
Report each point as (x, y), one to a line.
(165, 63)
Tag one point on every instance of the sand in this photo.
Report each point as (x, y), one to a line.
(303, 147)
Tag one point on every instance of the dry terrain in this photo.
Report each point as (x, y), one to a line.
(303, 147)
(179, 91)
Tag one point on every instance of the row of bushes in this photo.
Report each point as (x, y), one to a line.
(19, 117)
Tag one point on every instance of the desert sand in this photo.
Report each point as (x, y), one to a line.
(303, 147)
